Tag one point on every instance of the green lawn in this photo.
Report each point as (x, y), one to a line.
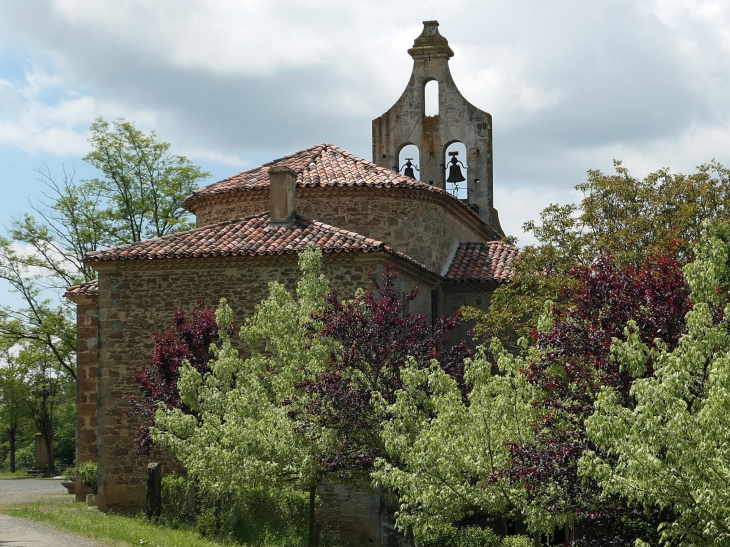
(19, 474)
(112, 530)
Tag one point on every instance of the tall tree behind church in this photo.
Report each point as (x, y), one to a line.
(138, 194)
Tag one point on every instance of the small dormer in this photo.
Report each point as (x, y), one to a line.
(447, 141)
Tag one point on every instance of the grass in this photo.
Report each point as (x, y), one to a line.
(111, 529)
(19, 474)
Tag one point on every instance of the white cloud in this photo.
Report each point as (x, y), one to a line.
(519, 205)
(39, 115)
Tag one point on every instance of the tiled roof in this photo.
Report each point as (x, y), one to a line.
(90, 288)
(482, 263)
(321, 165)
(248, 236)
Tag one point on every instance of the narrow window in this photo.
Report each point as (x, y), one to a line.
(456, 170)
(431, 98)
(409, 161)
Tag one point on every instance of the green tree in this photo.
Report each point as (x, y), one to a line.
(619, 215)
(141, 182)
(137, 195)
(13, 399)
(673, 448)
(239, 431)
(449, 455)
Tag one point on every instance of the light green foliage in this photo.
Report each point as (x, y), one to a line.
(517, 541)
(461, 537)
(673, 449)
(141, 183)
(450, 452)
(178, 499)
(240, 434)
(14, 392)
(89, 475)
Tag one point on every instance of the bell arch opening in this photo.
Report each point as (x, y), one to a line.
(409, 161)
(456, 170)
(431, 98)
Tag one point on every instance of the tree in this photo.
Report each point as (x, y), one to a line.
(238, 431)
(138, 194)
(47, 388)
(373, 334)
(573, 366)
(619, 215)
(510, 450)
(449, 455)
(13, 398)
(668, 445)
(189, 342)
(142, 183)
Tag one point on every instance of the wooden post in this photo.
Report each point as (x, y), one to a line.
(153, 505)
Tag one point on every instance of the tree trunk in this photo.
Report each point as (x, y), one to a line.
(313, 536)
(48, 436)
(11, 438)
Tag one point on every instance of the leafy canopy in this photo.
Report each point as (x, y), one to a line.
(238, 431)
(670, 447)
(619, 215)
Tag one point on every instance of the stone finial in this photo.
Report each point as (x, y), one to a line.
(430, 43)
(282, 194)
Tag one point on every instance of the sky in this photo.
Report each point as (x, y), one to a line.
(231, 84)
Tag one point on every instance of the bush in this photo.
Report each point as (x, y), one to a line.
(178, 500)
(88, 472)
(256, 516)
(253, 516)
(471, 536)
(517, 541)
(69, 474)
(24, 457)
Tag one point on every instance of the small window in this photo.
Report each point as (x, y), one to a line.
(431, 98)
(409, 161)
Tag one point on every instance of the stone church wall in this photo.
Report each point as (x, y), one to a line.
(138, 299)
(456, 295)
(86, 372)
(424, 230)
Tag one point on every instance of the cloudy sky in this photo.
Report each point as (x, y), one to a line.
(571, 85)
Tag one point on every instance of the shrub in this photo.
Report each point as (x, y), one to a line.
(253, 516)
(471, 536)
(88, 472)
(24, 457)
(69, 473)
(517, 541)
(178, 499)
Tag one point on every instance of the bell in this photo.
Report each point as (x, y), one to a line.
(455, 173)
(409, 172)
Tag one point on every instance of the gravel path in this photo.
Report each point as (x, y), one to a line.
(22, 533)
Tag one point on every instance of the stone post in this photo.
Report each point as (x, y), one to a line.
(154, 491)
(41, 455)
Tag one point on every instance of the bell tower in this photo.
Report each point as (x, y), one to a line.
(457, 121)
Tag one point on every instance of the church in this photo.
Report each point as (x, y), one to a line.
(430, 214)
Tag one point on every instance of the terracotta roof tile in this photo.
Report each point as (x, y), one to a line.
(319, 166)
(482, 263)
(90, 288)
(248, 236)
